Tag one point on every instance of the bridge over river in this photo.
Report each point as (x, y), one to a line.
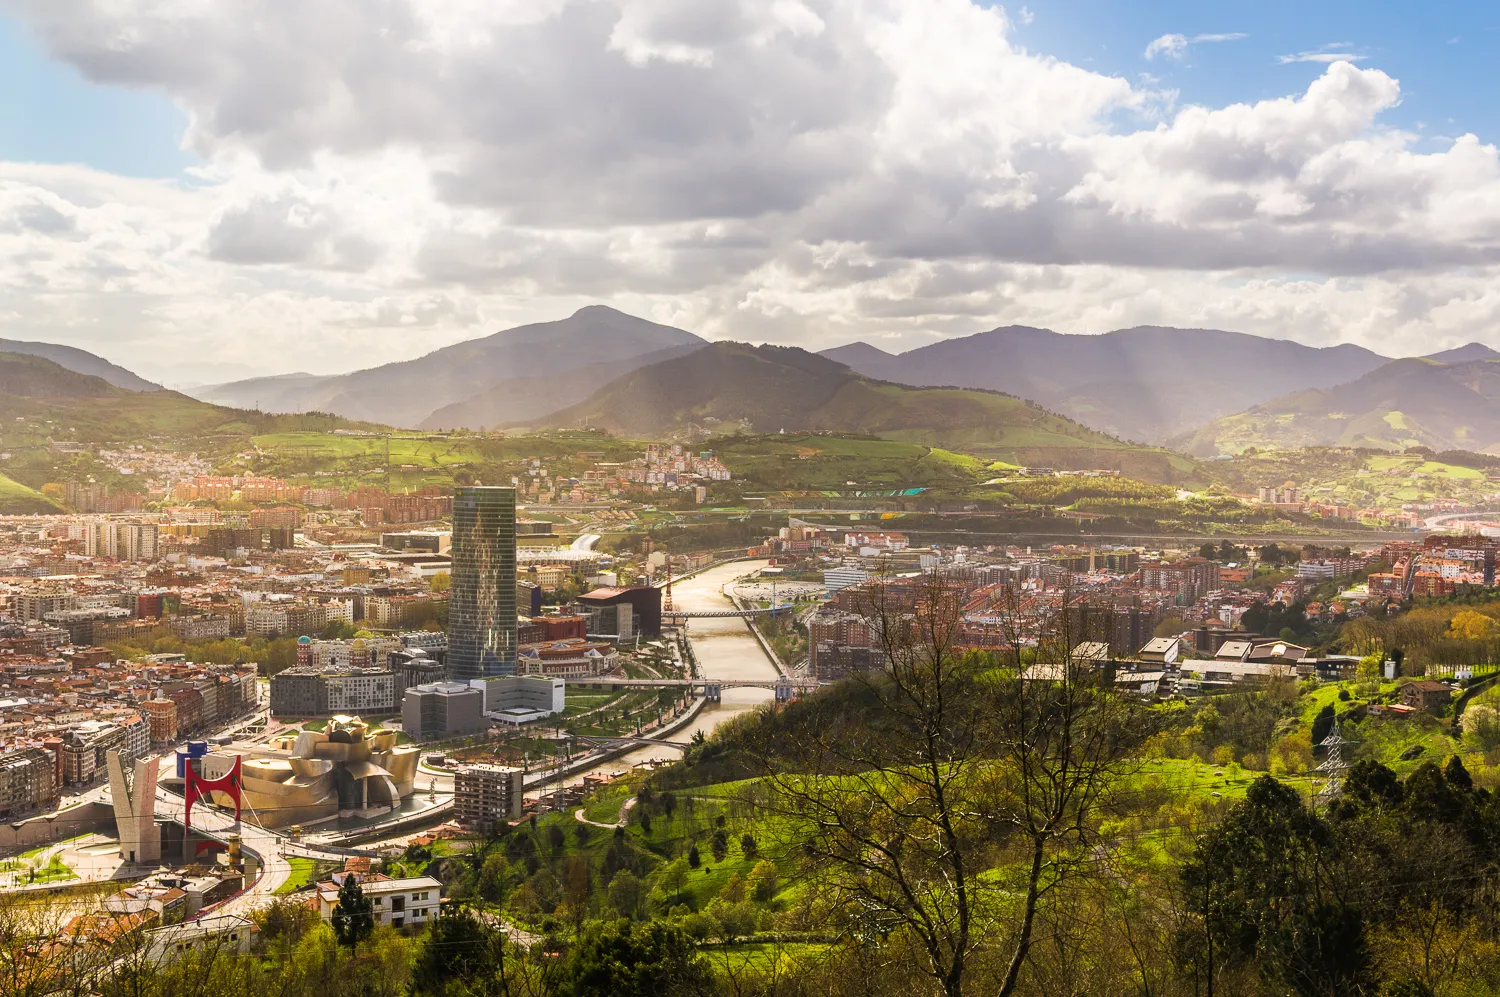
(782, 687)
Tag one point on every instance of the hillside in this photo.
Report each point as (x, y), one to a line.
(502, 379)
(727, 388)
(81, 362)
(1146, 383)
(1416, 402)
(41, 400)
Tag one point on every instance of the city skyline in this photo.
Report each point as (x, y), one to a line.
(203, 199)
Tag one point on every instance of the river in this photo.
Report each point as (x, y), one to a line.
(726, 649)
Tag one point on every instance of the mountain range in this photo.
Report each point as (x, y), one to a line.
(1015, 390)
(1147, 383)
(505, 379)
(728, 387)
(1453, 405)
(64, 404)
(80, 361)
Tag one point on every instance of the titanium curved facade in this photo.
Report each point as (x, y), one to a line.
(482, 596)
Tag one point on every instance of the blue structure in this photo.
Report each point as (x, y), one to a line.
(195, 750)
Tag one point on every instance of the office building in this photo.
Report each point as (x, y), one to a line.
(482, 596)
(623, 612)
(521, 699)
(485, 796)
(442, 709)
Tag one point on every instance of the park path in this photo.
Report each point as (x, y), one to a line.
(624, 816)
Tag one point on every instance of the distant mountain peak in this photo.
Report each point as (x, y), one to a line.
(1464, 354)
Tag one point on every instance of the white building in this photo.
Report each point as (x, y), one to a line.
(396, 902)
(522, 698)
(217, 933)
(841, 578)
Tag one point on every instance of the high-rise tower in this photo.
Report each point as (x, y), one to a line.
(482, 597)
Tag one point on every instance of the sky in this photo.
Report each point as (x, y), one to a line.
(203, 190)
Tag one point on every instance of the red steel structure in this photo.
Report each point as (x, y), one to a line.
(198, 788)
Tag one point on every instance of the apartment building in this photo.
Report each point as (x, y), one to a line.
(486, 796)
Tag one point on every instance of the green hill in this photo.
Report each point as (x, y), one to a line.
(1405, 403)
(40, 399)
(728, 388)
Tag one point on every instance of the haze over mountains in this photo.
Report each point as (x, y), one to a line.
(1146, 384)
(730, 387)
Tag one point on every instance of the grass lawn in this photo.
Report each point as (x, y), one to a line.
(17, 498)
(304, 871)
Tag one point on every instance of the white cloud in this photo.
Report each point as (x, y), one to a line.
(383, 177)
(1328, 54)
(1176, 46)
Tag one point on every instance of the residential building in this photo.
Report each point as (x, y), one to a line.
(1433, 697)
(396, 902)
(486, 796)
(26, 782)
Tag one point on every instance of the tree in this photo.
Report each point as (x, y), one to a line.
(441, 582)
(1322, 725)
(694, 859)
(904, 802)
(627, 960)
(719, 844)
(627, 894)
(748, 846)
(353, 915)
(494, 876)
(1261, 889)
(459, 947)
(764, 879)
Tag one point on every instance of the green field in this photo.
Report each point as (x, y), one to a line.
(304, 871)
(16, 498)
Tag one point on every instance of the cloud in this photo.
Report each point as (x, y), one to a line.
(1330, 53)
(384, 177)
(1176, 46)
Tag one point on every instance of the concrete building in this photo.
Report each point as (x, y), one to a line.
(217, 934)
(522, 699)
(482, 595)
(442, 709)
(485, 796)
(86, 746)
(839, 578)
(134, 799)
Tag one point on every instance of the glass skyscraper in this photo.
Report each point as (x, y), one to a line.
(482, 597)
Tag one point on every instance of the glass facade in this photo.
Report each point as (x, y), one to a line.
(482, 598)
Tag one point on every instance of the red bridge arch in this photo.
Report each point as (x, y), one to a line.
(198, 788)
